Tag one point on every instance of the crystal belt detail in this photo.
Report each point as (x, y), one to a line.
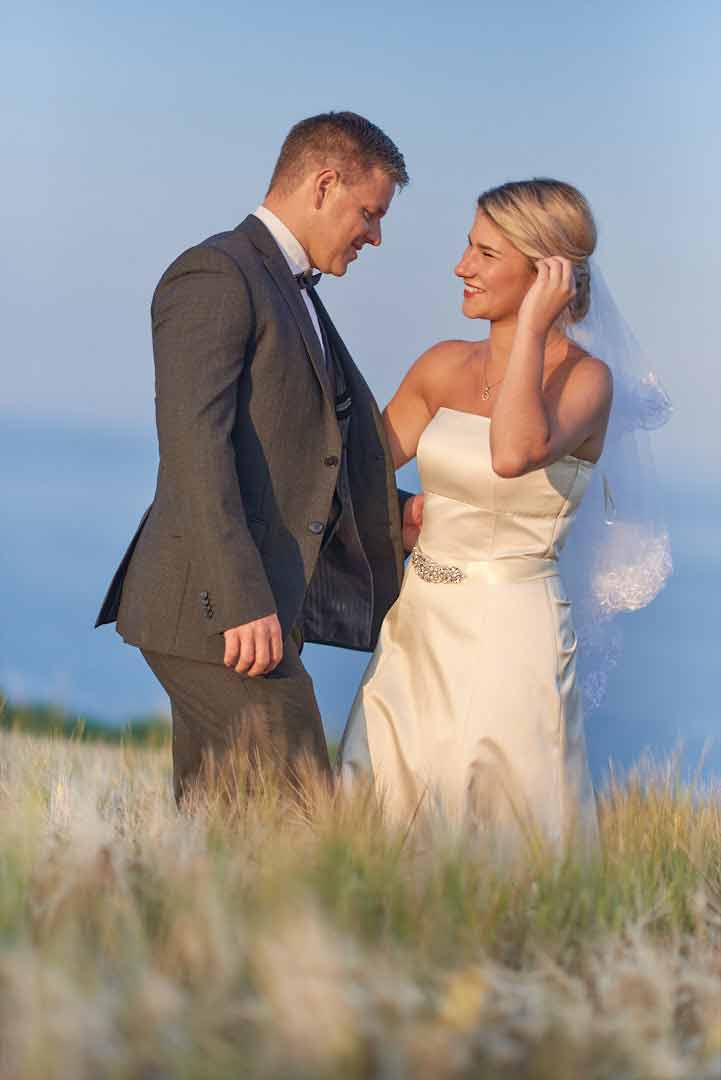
(435, 572)
(503, 571)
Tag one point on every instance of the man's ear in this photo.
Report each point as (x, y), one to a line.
(325, 182)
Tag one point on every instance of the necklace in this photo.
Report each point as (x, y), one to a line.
(486, 387)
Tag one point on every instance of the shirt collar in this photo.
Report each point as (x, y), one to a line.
(295, 254)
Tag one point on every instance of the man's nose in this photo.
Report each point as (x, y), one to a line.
(374, 234)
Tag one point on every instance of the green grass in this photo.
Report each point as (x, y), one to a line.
(276, 938)
(42, 719)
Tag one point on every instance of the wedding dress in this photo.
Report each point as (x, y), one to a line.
(470, 707)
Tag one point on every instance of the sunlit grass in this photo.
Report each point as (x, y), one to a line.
(279, 938)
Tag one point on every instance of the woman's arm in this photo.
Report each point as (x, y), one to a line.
(416, 400)
(527, 432)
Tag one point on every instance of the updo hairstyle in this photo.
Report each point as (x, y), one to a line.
(544, 217)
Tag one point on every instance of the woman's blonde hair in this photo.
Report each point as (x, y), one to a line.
(547, 217)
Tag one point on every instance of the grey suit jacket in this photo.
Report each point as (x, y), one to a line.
(249, 452)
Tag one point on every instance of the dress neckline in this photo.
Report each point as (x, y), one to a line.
(480, 416)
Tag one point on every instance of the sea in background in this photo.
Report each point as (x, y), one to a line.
(72, 495)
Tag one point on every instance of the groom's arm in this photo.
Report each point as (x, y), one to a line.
(203, 325)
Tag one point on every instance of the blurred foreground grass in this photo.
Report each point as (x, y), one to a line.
(306, 940)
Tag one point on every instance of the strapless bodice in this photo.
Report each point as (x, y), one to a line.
(471, 513)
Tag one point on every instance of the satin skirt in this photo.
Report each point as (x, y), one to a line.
(470, 712)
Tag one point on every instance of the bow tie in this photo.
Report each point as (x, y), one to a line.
(307, 279)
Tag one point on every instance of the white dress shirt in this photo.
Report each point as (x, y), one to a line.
(295, 255)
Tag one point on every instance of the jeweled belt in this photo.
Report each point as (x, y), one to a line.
(492, 571)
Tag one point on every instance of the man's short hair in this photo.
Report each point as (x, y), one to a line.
(344, 140)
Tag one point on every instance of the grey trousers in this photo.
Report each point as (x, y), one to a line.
(271, 721)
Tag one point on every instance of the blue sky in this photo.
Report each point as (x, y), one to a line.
(129, 134)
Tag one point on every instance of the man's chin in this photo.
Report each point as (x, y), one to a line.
(337, 266)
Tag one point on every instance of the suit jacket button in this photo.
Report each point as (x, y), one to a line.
(316, 527)
(331, 461)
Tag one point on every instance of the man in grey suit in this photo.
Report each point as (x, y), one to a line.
(276, 518)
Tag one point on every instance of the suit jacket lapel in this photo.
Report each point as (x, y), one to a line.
(353, 376)
(279, 270)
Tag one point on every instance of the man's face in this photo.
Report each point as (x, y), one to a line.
(347, 216)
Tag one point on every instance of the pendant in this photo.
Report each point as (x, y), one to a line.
(486, 392)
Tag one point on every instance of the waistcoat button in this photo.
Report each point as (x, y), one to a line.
(316, 527)
(331, 461)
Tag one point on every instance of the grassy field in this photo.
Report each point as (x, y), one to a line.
(304, 939)
(43, 719)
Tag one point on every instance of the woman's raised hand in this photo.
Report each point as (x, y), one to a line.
(551, 292)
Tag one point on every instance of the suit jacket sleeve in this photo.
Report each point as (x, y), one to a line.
(203, 334)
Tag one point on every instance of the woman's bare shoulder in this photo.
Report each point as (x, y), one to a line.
(583, 369)
(436, 369)
(443, 359)
(443, 352)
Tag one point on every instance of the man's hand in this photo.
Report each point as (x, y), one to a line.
(412, 521)
(255, 648)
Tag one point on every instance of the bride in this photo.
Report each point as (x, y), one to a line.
(471, 707)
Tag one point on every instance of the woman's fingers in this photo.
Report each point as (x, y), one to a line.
(551, 292)
(569, 278)
(557, 273)
(558, 265)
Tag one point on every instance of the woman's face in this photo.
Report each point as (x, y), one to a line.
(496, 275)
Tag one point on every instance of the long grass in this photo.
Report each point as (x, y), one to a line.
(302, 938)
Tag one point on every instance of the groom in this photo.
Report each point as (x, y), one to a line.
(276, 516)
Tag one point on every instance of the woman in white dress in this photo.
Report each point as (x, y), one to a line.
(470, 706)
